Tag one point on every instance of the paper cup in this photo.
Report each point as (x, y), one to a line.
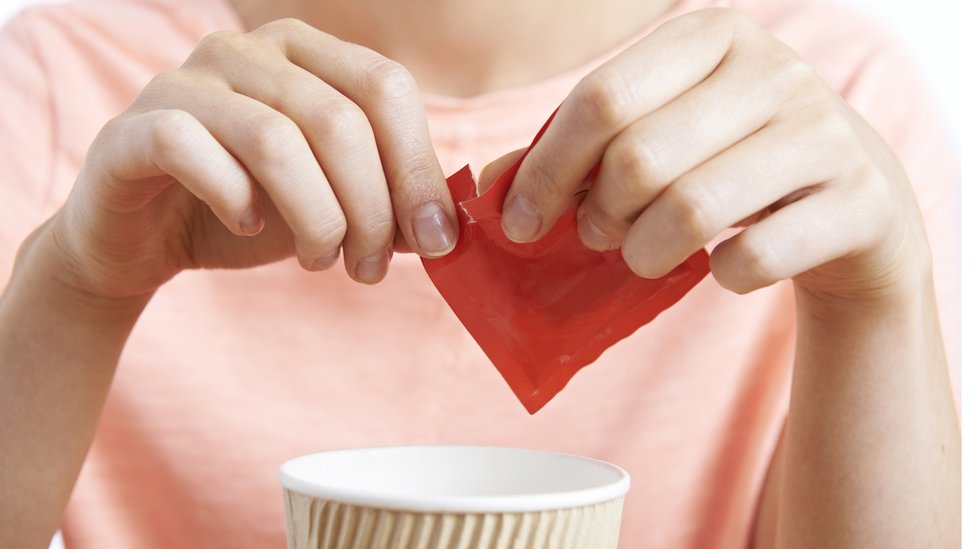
(452, 497)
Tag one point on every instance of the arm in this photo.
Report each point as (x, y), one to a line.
(214, 165)
(58, 351)
(708, 124)
(870, 455)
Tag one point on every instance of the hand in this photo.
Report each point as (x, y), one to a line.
(262, 145)
(710, 123)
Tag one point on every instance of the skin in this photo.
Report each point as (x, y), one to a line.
(870, 454)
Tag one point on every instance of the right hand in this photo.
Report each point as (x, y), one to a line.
(281, 141)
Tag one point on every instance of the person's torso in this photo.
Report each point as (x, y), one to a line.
(229, 373)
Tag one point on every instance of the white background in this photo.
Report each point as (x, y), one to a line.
(935, 31)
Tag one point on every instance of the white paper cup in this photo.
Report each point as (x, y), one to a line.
(452, 497)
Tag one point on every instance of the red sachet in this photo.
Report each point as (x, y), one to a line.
(544, 310)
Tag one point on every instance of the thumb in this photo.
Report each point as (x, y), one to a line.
(491, 172)
(488, 176)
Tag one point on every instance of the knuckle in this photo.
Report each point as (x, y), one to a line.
(165, 89)
(539, 170)
(386, 78)
(693, 208)
(598, 212)
(375, 229)
(326, 234)
(274, 139)
(603, 98)
(339, 119)
(604, 216)
(168, 134)
(281, 27)
(614, 228)
(795, 75)
(216, 38)
(417, 173)
(218, 44)
(417, 167)
(231, 189)
(169, 88)
(114, 127)
(876, 187)
(639, 169)
(831, 132)
(834, 127)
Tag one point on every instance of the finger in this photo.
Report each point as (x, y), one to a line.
(495, 168)
(648, 75)
(175, 144)
(389, 97)
(275, 152)
(343, 143)
(808, 233)
(657, 149)
(400, 244)
(745, 179)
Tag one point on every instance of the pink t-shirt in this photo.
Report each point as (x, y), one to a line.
(229, 373)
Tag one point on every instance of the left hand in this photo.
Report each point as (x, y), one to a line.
(710, 123)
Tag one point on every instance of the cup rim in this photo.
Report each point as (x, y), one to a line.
(427, 503)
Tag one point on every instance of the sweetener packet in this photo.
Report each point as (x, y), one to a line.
(541, 311)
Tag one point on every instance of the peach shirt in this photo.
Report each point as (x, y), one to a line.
(228, 373)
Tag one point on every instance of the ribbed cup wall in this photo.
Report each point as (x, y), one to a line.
(322, 524)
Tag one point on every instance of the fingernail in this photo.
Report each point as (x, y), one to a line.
(372, 269)
(432, 229)
(520, 220)
(252, 222)
(591, 235)
(325, 261)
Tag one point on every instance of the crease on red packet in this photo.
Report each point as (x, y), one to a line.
(542, 311)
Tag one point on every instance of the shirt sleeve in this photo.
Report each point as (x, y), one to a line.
(891, 93)
(26, 138)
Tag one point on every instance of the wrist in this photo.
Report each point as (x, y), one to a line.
(892, 276)
(908, 299)
(895, 323)
(46, 270)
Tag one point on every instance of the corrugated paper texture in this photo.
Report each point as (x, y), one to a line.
(321, 524)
